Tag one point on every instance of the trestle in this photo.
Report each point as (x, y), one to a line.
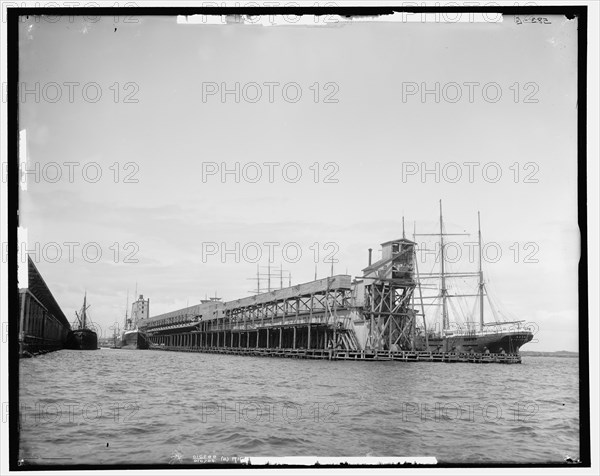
(313, 336)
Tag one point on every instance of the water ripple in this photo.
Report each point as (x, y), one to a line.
(160, 407)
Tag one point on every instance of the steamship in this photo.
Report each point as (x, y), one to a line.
(133, 337)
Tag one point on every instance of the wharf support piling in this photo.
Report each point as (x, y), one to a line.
(364, 355)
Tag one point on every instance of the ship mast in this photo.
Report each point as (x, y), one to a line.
(419, 286)
(84, 316)
(126, 306)
(444, 275)
(481, 283)
(444, 291)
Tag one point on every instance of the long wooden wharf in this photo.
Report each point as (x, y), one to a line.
(362, 355)
(312, 316)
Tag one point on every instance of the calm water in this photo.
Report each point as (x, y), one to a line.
(161, 407)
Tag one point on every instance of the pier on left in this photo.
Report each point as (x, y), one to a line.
(43, 327)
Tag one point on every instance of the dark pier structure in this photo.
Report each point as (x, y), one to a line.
(308, 316)
(336, 354)
(43, 326)
(371, 318)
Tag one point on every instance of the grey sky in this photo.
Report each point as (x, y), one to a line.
(371, 134)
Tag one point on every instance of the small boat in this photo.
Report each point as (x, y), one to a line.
(82, 337)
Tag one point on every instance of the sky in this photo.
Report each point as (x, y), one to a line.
(340, 165)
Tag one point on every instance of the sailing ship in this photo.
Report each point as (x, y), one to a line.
(478, 336)
(82, 337)
(133, 337)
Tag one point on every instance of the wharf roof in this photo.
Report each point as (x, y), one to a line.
(379, 264)
(399, 240)
(38, 287)
(210, 309)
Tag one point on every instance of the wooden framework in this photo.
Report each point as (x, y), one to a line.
(391, 323)
(314, 315)
(389, 288)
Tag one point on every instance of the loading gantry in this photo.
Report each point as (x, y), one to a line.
(389, 285)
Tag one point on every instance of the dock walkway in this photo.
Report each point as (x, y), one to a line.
(363, 355)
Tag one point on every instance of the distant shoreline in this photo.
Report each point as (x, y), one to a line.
(558, 353)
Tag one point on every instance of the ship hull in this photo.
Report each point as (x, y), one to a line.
(495, 343)
(134, 340)
(82, 339)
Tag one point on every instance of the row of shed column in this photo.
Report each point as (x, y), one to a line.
(270, 338)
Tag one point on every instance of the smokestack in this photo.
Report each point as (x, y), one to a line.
(370, 253)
